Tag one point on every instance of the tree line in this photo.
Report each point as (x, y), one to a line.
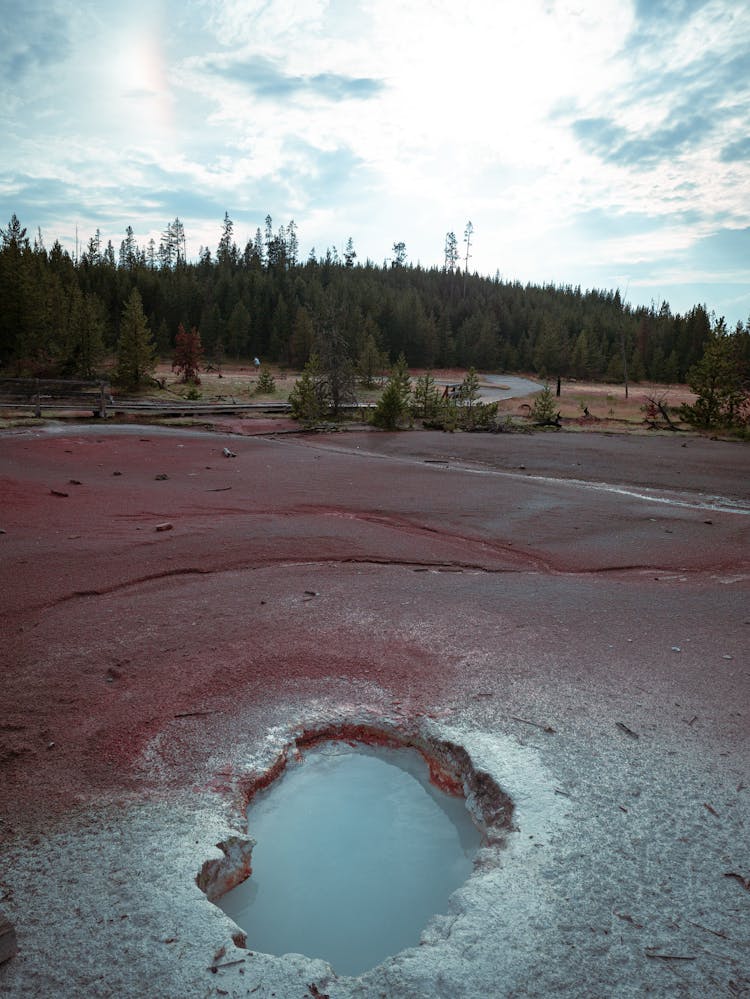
(63, 314)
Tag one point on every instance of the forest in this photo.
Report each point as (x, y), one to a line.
(61, 314)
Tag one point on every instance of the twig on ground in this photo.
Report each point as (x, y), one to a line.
(669, 957)
(745, 882)
(544, 728)
(213, 968)
(716, 933)
(627, 918)
(627, 731)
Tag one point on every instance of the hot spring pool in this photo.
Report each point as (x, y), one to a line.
(356, 850)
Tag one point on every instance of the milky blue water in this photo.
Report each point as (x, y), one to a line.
(356, 850)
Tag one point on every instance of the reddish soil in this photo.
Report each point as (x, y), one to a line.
(380, 558)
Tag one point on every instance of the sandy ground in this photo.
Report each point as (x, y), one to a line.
(572, 609)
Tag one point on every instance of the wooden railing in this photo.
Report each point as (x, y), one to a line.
(55, 393)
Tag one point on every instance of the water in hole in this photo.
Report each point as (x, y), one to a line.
(356, 850)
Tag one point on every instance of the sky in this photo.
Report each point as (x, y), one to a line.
(600, 143)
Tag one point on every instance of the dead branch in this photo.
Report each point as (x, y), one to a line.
(627, 731)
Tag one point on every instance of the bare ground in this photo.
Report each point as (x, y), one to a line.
(496, 586)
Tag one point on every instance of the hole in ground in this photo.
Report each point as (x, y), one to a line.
(354, 848)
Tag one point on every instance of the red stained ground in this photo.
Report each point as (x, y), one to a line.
(387, 559)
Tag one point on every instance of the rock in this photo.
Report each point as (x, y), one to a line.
(117, 473)
(58, 492)
(74, 482)
(164, 527)
(676, 648)
(227, 453)
(161, 477)
(8, 942)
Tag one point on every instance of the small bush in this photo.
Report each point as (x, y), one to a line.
(266, 384)
(543, 412)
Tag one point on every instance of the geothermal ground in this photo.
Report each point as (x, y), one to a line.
(571, 609)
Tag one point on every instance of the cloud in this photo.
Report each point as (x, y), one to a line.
(32, 37)
(264, 78)
(736, 152)
(615, 144)
(672, 11)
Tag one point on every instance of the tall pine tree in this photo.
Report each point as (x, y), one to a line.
(136, 351)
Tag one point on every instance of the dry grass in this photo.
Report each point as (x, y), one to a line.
(606, 404)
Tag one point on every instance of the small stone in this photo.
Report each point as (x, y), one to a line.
(74, 482)
(117, 473)
(676, 648)
(726, 656)
(708, 522)
(58, 492)
(227, 453)
(161, 477)
(164, 527)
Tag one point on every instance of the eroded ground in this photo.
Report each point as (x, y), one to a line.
(485, 587)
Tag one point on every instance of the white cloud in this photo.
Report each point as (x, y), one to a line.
(390, 122)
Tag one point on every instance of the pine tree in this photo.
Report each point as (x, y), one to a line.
(188, 352)
(226, 252)
(309, 398)
(84, 346)
(718, 382)
(543, 410)
(136, 351)
(266, 384)
(238, 331)
(303, 336)
(370, 361)
(451, 251)
(350, 254)
(426, 401)
(336, 365)
(393, 406)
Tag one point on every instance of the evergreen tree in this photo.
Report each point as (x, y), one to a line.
(451, 251)
(19, 295)
(84, 342)
(543, 411)
(399, 255)
(303, 336)
(350, 254)
(188, 353)
(238, 331)
(226, 252)
(309, 398)
(136, 352)
(336, 366)
(370, 361)
(266, 384)
(393, 406)
(426, 397)
(718, 382)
